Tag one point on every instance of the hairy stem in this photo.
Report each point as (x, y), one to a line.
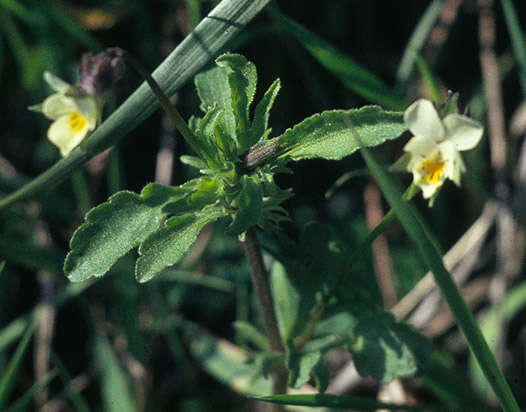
(260, 281)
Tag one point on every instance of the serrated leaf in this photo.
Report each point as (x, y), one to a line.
(242, 79)
(300, 366)
(206, 136)
(168, 245)
(115, 227)
(385, 349)
(199, 192)
(326, 135)
(258, 131)
(286, 300)
(214, 91)
(250, 204)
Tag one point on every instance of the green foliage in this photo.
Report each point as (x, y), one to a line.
(114, 228)
(384, 349)
(249, 197)
(325, 135)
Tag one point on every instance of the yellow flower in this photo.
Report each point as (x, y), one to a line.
(74, 115)
(436, 145)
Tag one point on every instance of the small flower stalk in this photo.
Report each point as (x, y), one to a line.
(76, 109)
(436, 145)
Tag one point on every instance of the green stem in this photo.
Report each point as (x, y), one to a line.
(165, 103)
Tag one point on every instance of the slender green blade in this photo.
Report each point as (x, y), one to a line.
(116, 394)
(9, 376)
(417, 41)
(356, 403)
(22, 403)
(349, 72)
(517, 40)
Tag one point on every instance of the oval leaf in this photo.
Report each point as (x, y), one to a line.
(327, 136)
(115, 227)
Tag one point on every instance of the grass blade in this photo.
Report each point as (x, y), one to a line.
(416, 42)
(199, 47)
(463, 316)
(356, 403)
(349, 72)
(22, 403)
(517, 40)
(8, 378)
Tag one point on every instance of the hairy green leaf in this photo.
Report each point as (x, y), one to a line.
(385, 349)
(114, 228)
(214, 91)
(242, 79)
(250, 204)
(325, 135)
(168, 245)
(261, 114)
(286, 300)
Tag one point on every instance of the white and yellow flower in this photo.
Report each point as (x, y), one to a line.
(74, 115)
(435, 148)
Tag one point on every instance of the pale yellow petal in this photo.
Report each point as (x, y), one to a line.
(56, 83)
(67, 132)
(454, 163)
(57, 105)
(464, 132)
(89, 109)
(422, 120)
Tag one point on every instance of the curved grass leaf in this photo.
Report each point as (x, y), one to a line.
(168, 245)
(417, 41)
(116, 394)
(10, 372)
(115, 227)
(326, 135)
(222, 24)
(349, 72)
(356, 403)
